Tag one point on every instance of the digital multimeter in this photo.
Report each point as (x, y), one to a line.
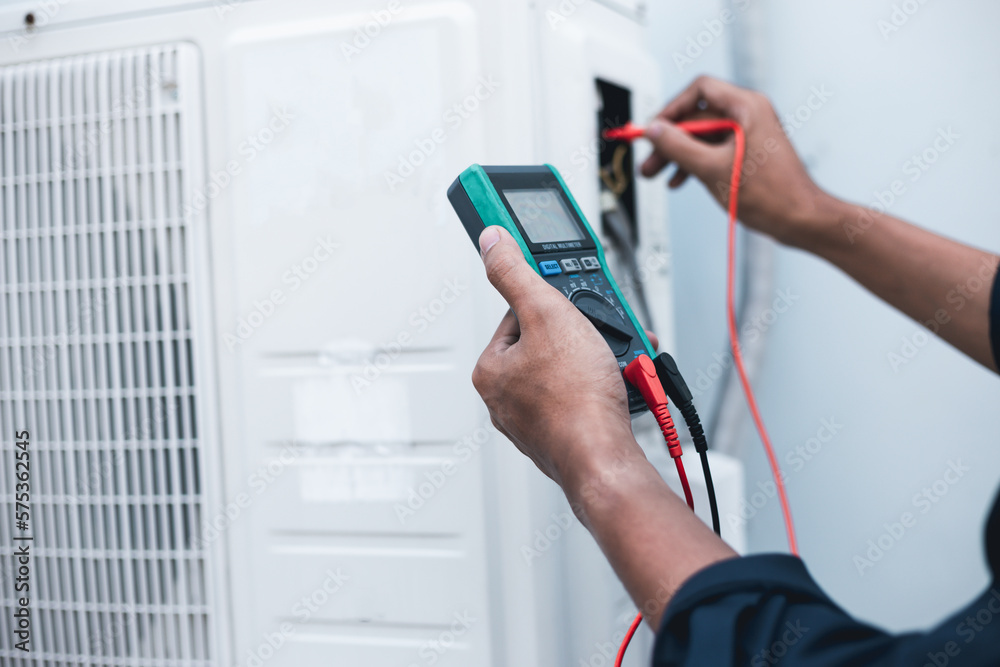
(535, 206)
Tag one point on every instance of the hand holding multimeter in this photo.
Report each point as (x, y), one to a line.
(535, 207)
(546, 228)
(546, 376)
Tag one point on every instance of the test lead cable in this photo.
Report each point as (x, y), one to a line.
(630, 132)
(678, 392)
(642, 374)
(716, 126)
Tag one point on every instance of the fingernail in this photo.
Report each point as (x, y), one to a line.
(655, 129)
(488, 239)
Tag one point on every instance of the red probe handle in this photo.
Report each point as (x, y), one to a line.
(627, 132)
(630, 131)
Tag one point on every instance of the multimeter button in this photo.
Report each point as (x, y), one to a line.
(570, 264)
(549, 268)
(590, 263)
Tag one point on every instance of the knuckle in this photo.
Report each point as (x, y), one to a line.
(761, 101)
(480, 376)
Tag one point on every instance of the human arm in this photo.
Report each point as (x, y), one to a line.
(554, 389)
(942, 284)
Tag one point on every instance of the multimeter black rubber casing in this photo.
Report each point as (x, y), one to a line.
(535, 206)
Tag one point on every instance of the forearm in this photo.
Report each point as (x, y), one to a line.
(648, 534)
(940, 283)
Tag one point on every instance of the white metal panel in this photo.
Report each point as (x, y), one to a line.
(365, 365)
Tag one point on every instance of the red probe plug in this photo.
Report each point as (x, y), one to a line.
(642, 373)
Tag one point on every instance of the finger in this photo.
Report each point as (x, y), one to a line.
(677, 180)
(704, 93)
(673, 144)
(498, 425)
(654, 164)
(527, 294)
(653, 340)
(508, 332)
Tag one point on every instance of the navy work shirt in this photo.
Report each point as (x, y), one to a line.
(766, 610)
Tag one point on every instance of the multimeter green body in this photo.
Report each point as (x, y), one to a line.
(535, 206)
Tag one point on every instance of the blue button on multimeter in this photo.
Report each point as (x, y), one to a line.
(549, 268)
(536, 207)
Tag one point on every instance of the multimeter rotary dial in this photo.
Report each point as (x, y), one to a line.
(606, 319)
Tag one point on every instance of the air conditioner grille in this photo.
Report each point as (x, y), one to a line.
(97, 359)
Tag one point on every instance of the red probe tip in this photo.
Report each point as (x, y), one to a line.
(627, 132)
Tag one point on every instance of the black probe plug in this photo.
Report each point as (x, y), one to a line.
(677, 391)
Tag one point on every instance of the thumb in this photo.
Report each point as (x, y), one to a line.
(673, 144)
(506, 268)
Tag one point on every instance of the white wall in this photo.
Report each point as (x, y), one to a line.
(828, 357)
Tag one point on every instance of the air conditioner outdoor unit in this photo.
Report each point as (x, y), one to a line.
(238, 319)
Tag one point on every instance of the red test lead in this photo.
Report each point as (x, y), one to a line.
(627, 132)
(642, 374)
(704, 127)
(709, 126)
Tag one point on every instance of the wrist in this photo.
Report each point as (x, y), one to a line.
(819, 224)
(600, 476)
(648, 534)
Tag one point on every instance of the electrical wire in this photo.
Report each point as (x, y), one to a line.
(666, 422)
(716, 126)
(684, 482)
(642, 373)
(620, 228)
(710, 489)
(701, 446)
(677, 390)
(615, 178)
(621, 232)
(673, 444)
(636, 622)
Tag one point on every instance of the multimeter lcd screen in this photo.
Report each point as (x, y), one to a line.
(543, 215)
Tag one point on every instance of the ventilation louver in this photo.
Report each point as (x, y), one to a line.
(97, 359)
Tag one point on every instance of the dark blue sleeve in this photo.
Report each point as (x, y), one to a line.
(766, 610)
